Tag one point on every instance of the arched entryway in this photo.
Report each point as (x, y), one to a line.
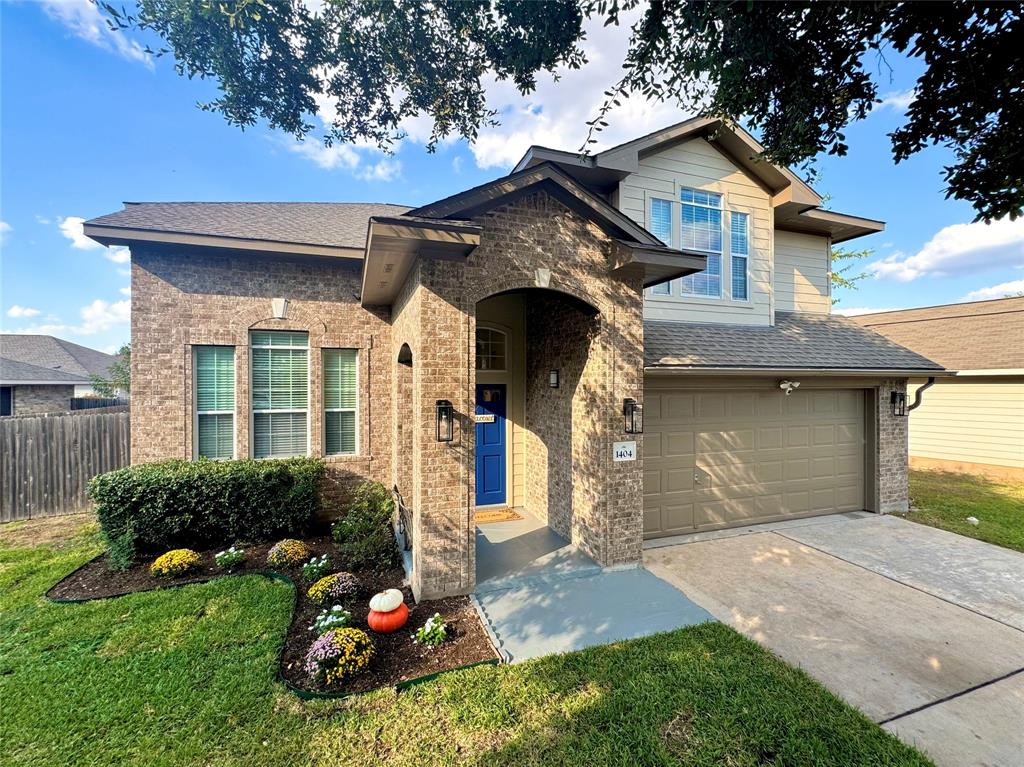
(538, 389)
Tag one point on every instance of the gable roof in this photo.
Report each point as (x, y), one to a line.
(797, 342)
(45, 359)
(320, 228)
(980, 335)
(797, 205)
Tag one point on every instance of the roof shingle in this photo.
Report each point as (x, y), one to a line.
(45, 358)
(331, 224)
(981, 335)
(795, 342)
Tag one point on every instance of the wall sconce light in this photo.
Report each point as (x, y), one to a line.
(634, 416)
(899, 403)
(445, 420)
(553, 379)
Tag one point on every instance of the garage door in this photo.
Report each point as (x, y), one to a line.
(724, 458)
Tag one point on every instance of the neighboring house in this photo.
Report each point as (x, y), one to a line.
(505, 345)
(42, 374)
(974, 422)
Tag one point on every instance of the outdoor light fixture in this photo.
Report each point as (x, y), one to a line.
(634, 416)
(899, 403)
(553, 379)
(445, 420)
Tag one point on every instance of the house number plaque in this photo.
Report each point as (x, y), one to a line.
(624, 451)
(484, 418)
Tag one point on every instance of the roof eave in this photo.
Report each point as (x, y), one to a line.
(669, 368)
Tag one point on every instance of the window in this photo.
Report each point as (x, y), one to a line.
(215, 401)
(341, 385)
(6, 400)
(701, 229)
(739, 249)
(490, 349)
(280, 393)
(661, 227)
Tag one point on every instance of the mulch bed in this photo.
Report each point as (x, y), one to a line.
(398, 659)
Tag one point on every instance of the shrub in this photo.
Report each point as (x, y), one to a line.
(316, 568)
(172, 504)
(364, 535)
(175, 562)
(287, 553)
(432, 633)
(338, 655)
(230, 558)
(336, 617)
(339, 587)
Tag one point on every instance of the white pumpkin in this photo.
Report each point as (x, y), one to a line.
(386, 601)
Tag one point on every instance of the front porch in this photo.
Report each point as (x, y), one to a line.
(538, 594)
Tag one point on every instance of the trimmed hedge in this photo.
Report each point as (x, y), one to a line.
(174, 504)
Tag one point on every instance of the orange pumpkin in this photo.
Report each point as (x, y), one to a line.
(385, 623)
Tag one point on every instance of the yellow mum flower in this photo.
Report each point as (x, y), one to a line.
(175, 562)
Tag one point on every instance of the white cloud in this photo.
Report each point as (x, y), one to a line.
(327, 157)
(4, 229)
(84, 20)
(22, 311)
(958, 249)
(854, 311)
(71, 227)
(386, 169)
(457, 165)
(125, 291)
(555, 115)
(897, 101)
(119, 254)
(1001, 290)
(96, 317)
(42, 220)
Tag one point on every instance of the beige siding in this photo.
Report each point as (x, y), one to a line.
(973, 422)
(801, 273)
(699, 165)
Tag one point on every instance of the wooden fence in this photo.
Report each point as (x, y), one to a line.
(46, 461)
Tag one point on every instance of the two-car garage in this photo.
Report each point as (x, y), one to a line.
(723, 457)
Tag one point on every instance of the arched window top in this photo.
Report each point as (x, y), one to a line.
(490, 349)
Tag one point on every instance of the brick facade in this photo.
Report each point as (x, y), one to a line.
(891, 441)
(35, 399)
(435, 316)
(183, 298)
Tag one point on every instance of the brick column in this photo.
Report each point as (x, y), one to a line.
(891, 460)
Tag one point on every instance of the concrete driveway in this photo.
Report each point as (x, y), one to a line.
(921, 629)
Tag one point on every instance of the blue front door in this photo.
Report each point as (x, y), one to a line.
(490, 444)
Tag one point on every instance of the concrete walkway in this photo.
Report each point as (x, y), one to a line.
(920, 629)
(539, 595)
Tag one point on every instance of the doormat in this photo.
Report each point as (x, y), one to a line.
(485, 516)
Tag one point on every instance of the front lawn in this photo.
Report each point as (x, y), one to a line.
(944, 499)
(186, 676)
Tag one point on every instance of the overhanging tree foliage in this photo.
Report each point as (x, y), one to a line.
(798, 73)
(119, 375)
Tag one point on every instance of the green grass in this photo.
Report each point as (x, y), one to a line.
(944, 499)
(186, 676)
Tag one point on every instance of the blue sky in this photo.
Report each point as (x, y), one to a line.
(89, 121)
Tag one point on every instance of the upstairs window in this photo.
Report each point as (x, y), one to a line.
(739, 250)
(280, 393)
(701, 230)
(340, 401)
(215, 401)
(661, 227)
(490, 349)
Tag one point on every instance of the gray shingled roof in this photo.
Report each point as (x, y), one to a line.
(45, 358)
(331, 224)
(795, 342)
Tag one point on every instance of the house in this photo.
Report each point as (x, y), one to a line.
(43, 374)
(626, 345)
(974, 422)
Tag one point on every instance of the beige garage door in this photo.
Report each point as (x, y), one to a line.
(725, 458)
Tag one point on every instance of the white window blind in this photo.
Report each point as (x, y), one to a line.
(280, 393)
(215, 401)
(739, 249)
(341, 388)
(701, 230)
(661, 227)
